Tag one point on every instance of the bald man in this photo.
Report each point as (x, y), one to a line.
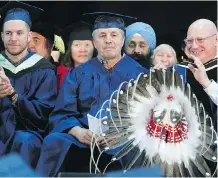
(201, 43)
(201, 46)
(202, 40)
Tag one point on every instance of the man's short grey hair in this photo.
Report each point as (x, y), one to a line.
(95, 31)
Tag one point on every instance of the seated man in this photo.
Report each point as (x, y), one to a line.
(42, 43)
(28, 89)
(140, 43)
(84, 90)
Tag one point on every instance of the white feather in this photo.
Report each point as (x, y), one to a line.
(169, 152)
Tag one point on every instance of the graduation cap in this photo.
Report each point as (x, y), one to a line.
(110, 20)
(15, 10)
(45, 29)
(77, 31)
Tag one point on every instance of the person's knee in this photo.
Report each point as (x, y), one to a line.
(54, 140)
(26, 138)
(54, 150)
(51, 138)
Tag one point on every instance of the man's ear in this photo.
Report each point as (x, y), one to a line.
(2, 36)
(29, 36)
(216, 40)
(123, 42)
(94, 43)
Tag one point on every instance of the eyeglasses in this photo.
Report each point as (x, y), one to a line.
(197, 40)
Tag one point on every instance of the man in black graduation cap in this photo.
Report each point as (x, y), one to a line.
(42, 41)
(28, 86)
(83, 92)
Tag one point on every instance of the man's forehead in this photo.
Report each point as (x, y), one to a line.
(200, 28)
(198, 31)
(15, 25)
(108, 30)
(137, 38)
(37, 35)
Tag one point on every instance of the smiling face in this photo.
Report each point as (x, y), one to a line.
(165, 55)
(108, 42)
(15, 37)
(202, 40)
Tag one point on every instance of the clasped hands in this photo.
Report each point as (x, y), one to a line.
(6, 88)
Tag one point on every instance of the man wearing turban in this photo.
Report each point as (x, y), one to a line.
(140, 42)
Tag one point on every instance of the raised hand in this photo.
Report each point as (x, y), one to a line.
(199, 72)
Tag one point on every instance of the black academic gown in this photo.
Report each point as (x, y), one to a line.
(23, 125)
(211, 69)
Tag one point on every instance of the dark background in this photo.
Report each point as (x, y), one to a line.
(170, 19)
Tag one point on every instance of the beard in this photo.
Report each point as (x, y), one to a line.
(16, 52)
(143, 60)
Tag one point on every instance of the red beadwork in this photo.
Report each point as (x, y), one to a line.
(170, 97)
(168, 133)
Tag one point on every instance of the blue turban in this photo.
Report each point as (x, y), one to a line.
(18, 14)
(145, 30)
